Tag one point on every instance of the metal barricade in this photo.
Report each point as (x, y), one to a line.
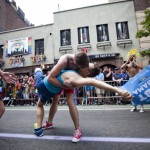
(87, 96)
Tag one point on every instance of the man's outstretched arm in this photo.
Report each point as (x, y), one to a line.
(79, 81)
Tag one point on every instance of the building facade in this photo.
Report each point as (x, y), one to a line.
(144, 42)
(106, 31)
(11, 17)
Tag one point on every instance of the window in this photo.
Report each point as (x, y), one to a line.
(39, 47)
(83, 35)
(122, 30)
(102, 33)
(65, 37)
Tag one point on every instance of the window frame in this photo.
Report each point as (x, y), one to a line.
(40, 44)
(122, 29)
(87, 35)
(67, 37)
(99, 39)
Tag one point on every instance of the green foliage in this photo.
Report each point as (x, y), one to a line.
(145, 31)
(145, 53)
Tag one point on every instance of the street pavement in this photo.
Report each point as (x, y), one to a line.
(105, 127)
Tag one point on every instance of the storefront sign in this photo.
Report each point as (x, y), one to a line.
(103, 56)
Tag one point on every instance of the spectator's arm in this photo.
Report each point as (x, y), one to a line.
(8, 77)
(137, 65)
(124, 65)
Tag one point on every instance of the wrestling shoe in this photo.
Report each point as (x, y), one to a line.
(47, 125)
(38, 131)
(133, 109)
(77, 136)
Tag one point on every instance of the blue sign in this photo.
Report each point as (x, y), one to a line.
(139, 87)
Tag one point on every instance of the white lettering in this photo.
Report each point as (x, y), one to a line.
(144, 85)
(148, 82)
(140, 89)
(142, 98)
(147, 93)
(135, 92)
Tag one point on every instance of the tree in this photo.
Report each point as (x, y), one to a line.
(145, 31)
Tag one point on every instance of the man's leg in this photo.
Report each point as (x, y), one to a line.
(40, 114)
(134, 107)
(75, 117)
(52, 112)
(73, 110)
(141, 109)
(2, 108)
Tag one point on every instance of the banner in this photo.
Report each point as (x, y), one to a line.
(139, 87)
(21, 46)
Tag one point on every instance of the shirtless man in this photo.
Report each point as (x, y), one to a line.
(133, 68)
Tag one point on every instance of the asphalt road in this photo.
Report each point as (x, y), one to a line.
(104, 127)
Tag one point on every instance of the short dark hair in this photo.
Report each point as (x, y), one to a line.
(82, 60)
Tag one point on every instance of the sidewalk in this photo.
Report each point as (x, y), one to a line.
(80, 107)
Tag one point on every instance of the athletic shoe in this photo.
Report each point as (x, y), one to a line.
(141, 110)
(47, 125)
(77, 136)
(133, 109)
(38, 131)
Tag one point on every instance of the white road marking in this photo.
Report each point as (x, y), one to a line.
(68, 138)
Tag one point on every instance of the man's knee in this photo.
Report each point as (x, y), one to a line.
(39, 103)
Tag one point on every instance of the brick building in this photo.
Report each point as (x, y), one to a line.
(11, 17)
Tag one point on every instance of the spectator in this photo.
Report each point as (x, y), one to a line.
(117, 77)
(90, 94)
(107, 74)
(25, 88)
(133, 68)
(108, 79)
(31, 87)
(125, 75)
(99, 92)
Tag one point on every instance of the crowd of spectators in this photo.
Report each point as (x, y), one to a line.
(23, 89)
(91, 95)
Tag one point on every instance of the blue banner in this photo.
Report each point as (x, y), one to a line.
(139, 87)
